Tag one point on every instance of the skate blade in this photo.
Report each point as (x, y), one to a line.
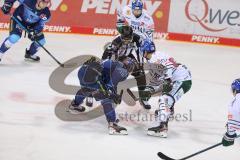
(159, 134)
(123, 132)
(30, 60)
(73, 65)
(73, 111)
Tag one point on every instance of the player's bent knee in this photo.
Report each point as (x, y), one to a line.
(168, 100)
(13, 38)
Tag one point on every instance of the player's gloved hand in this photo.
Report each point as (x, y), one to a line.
(108, 53)
(116, 98)
(113, 95)
(167, 86)
(6, 8)
(145, 95)
(228, 140)
(33, 36)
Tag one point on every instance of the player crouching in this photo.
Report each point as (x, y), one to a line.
(174, 79)
(100, 80)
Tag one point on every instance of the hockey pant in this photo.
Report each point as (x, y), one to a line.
(167, 100)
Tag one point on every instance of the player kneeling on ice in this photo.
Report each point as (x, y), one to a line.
(32, 15)
(171, 78)
(100, 80)
(233, 123)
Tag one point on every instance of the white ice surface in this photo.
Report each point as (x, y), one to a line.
(29, 129)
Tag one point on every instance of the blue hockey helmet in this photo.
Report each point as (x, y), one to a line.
(236, 85)
(137, 6)
(148, 46)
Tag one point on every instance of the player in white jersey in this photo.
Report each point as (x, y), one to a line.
(233, 123)
(135, 16)
(171, 78)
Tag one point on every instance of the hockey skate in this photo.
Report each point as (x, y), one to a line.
(115, 129)
(145, 104)
(159, 131)
(32, 58)
(75, 109)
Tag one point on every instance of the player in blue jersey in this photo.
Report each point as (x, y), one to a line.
(32, 14)
(100, 80)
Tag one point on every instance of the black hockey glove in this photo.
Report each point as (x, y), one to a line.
(146, 93)
(228, 140)
(167, 86)
(6, 8)
(35, 36)
(116, 98)
(109, 51)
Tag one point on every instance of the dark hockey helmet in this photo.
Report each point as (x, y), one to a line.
(236, 85)
(127, 34)
(93, 69)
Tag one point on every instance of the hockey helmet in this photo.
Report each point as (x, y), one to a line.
(236, 85)
(92, 69)
(137, 6)
(44, 3)
(127, 34)
(148, 46)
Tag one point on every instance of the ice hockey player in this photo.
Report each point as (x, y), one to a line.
(173, 80)
(100, 80)
(32, 14)
(233, 123)
(135, 16)
(128, 44)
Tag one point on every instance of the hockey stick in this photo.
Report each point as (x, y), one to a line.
(164, 157)
(55, 59)
(106, 92)
(132, 95)
(137, 98)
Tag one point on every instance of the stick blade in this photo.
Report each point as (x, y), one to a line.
(70, 65)
(164, 157)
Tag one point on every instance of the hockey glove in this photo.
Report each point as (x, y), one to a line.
(35, 36)
(228, 140)
(116, 98)
(108, 53)
(145, 94)
(167, 86)
(6, 8)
